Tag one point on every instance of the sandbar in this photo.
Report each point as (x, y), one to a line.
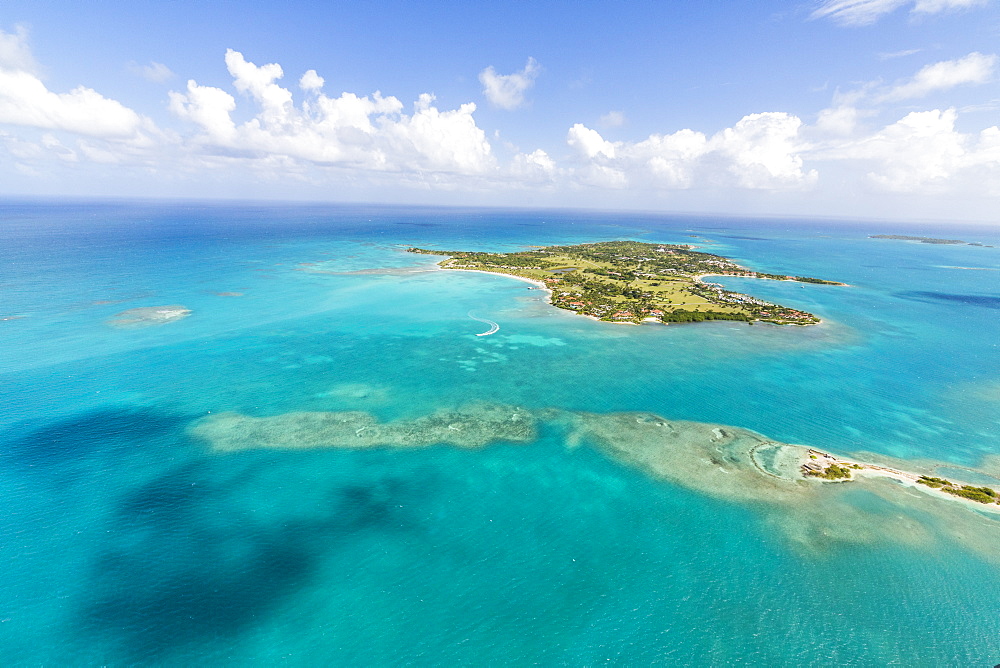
(149, 316)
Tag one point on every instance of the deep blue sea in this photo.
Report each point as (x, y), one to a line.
(125, 539)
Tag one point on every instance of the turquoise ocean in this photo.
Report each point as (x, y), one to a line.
(127, 539)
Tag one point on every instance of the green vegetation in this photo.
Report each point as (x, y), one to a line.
(833, 472)
(979, 494)
(923, 240)
(927, 240)
(631, 281)
(820, 281)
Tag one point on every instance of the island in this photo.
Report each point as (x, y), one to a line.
(633, 281)
(928, 240)
(825, 466)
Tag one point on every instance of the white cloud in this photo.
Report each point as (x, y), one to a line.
(936, 6)
(923, 153)
(763, 150)
(839, 121)
(589, 143)
(892, 55)
(155, 72)
(866, 12)
(286, 140)
(602, 176)
(671, 160)
(612, 119)
(922, 149)
(207, 107)
(18, 148)
(533, 167)
(975, 68)
(760, 152)
(366, 132)
(15, 54)
(64, 153)
(856, 12)
(311, 81)
(25, 100)
(507, 90)
(842, 119)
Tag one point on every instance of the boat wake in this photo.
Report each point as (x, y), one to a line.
(494, 328)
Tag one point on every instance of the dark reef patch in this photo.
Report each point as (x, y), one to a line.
(192, 558)
(105, 432)
(985, 301)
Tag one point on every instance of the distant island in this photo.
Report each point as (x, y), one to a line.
(632, 281)
(927, 240)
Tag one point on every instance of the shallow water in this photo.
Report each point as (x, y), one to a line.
(127, 538)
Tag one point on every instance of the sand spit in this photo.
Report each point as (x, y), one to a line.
(149, 316)
(728, 463)
(714, 459)
(815, 515)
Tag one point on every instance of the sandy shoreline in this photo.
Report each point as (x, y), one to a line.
(538, 284)
(824, 460)
(699, 278)
(548, 290)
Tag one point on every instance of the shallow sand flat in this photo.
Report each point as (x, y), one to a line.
(332, 267)
(471, 426)
(728, 463)
(149, 316)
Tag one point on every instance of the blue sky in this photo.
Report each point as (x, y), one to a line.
(862, 108)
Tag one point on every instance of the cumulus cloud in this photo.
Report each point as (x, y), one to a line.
(289, 134)
(15, 54)
(866, 12)
(369, 132)
(760, 152)
(922, 149)
(923, 152)
(589, 143)
(975, 68)
(507, 90)
(311, 81)
(842, 119)
(25, 100)
(763, 151)
(534, 168)
(838, 121)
